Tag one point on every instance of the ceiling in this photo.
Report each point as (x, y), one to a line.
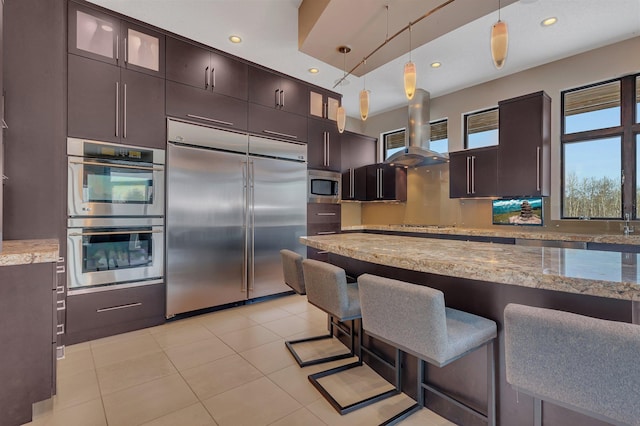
(457, 36)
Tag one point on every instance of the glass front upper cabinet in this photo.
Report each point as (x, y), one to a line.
(323, 105)
(108, 39)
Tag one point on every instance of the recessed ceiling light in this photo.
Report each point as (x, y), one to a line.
(549, 21)
(314, 70)
(235, 39)
(436, 64)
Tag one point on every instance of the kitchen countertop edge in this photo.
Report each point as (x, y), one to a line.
(24, 252)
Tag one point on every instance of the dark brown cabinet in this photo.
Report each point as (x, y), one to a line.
(322, 219)
(473, 173)
(28, 336)
(324, 146)
(385, 182)
(94, 315)
(279, 92)
(356, 151)
(191, 103)
(524, 153)
(323, 104)
(274, 123)
(113, 104)
(105, 38)
(205, 69)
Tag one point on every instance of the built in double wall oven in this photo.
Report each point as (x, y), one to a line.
(106, 179)
(115, 224)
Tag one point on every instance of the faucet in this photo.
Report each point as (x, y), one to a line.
(627, 229)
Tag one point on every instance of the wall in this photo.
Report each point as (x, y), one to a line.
(428, 204)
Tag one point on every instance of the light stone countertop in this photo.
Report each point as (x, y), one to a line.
(590, 272)
(23, 252)
(507, 232)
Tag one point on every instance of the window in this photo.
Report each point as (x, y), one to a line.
(439, 141)
(481, 128)
(601, 150)
(638, 99)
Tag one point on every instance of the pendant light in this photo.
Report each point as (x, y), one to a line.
(364, 96)
(409, 73)
(341, 115)
(499, 41)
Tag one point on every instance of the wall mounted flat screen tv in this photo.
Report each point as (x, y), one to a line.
(517, 211)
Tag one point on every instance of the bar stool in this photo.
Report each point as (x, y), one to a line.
(414, 319)
(294, 278)
(328, 289)
(585, 364)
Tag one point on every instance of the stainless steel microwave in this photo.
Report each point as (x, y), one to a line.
(323, 186)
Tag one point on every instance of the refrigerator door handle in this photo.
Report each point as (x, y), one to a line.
(252, 226)
(245, 172)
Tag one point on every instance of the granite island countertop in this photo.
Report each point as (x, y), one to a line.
(511, 232)
(589, 272)
(23, 252)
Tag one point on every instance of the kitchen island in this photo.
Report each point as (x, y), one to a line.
(482, 278)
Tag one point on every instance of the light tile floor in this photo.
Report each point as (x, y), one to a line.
(224, 368)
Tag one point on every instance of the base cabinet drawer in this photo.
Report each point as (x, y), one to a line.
(315, 254)
(104, 313)
(323, 213)
(323, 228)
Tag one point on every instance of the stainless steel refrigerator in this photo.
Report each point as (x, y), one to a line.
(233, 201)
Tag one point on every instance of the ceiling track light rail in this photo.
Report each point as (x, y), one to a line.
(403, 29)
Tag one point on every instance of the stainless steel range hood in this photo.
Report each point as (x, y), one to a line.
(416, 152)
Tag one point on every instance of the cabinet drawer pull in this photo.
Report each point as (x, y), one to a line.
(61, 305)
(271, 132)
(326, 232)
(213, 120)
(322, 252)
(114, 308)
(59, 329)
(326, 214)
(60, 269)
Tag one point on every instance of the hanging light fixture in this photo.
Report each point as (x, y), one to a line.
(409, 73)
(364, 96)
(341, 115)
(499, 41)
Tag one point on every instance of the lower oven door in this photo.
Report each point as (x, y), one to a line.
(114, 252)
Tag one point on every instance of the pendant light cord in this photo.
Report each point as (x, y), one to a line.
(409, 41)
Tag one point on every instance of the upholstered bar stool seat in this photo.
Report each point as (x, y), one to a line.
(586, 364)
(414, 319)
(294, 278)
(328, 289)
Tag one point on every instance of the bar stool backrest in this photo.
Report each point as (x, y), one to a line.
(410, 315)
(292, 269)
(587, 364)
(326, 287)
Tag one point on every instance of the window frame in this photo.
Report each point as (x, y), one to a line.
(626, 131)
(465, 129)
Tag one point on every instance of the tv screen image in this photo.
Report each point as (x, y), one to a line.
(518, 211)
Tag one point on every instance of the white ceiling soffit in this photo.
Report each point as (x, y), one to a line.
(269, 29)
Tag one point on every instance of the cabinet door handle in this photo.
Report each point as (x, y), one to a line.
(325, 110)
(213, 120)
(124, 112)
(468, 175)
(213, 78)
(117, 106)
(113, 308)
(281, 98)
(538, 168)
(206, 78)
(324, 148)
(126, 51)
(271, 132)
(277, 97)
(352, 189)
(328, 149)
(117, 48)
(473, 174)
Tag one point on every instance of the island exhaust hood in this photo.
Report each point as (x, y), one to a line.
(416, 152)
